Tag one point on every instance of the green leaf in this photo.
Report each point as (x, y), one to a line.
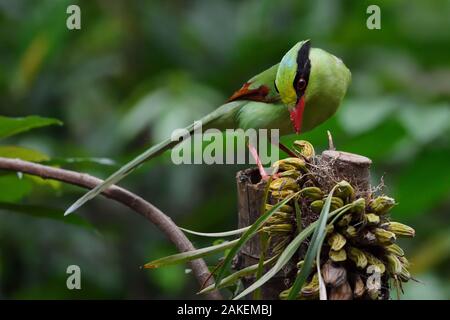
(12, 126)
(45, 212)
(16, 152)
(316, 242)
(13, 188)
(216, 234)
(189, 255)
(249, 234)
(285, 256)
(234, 277)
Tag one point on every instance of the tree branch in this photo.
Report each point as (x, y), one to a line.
(127, 198)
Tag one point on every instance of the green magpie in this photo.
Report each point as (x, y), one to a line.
(293, 96)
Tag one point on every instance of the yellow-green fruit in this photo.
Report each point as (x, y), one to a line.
(336, 241)
(282, 194)
(284, 184)
(395, 249)
(338, 256)
(312, 288)
(381, 205)
(357, 256)
(290, 163)
(404, 274)
(329, 228)
(344, 190)
(278, 228)
(372, 219)
(400, 229)
(336, 203)
(294, 174)
(404, 261)
(305, 148)
(316, 206)
(283, 208)
(345, 220)
(312, 193)
(350, 232)
(384, 236)
(393, 263)
(372, 260)
(359, 206)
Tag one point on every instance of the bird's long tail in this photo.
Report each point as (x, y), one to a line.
(152, 152)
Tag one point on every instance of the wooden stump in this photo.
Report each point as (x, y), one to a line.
(250, 187)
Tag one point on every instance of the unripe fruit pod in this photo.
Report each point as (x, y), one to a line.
(381, 205)
(345, 220)
(293, 173)
(312, 288)
(395, 249)
(336, 241)
(280, 195)
(372, 260)
(312, 193)
(345, 191)
(284, 184)
(359, 206)
(384, 236)
(350, 232)
(304, 148)
(337, 256)
(317, 205)
(399, 229)
(358, 257)
(283, 208)
(336, 203)
(393, 263)
(371, 219)
(289, 164)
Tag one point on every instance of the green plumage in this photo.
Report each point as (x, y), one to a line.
(328, 82)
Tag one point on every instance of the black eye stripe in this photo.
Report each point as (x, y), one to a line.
(303, 68)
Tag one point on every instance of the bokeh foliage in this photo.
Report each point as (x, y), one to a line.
(138, 69)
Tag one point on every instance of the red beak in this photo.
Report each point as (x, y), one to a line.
(296, 115)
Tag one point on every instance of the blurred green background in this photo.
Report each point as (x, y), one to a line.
(138, 69)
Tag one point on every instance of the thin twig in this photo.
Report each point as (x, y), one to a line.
(127, 198)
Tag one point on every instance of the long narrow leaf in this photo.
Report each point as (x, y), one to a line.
(312, 249)
(234, 277)
(216, 234)
(285, 256)
(189, 255)
(264, 245)
(248, 235)
(13, 126)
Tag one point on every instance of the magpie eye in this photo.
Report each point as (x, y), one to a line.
(301, 84)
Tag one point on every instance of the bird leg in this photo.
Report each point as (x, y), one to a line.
(254, 153)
